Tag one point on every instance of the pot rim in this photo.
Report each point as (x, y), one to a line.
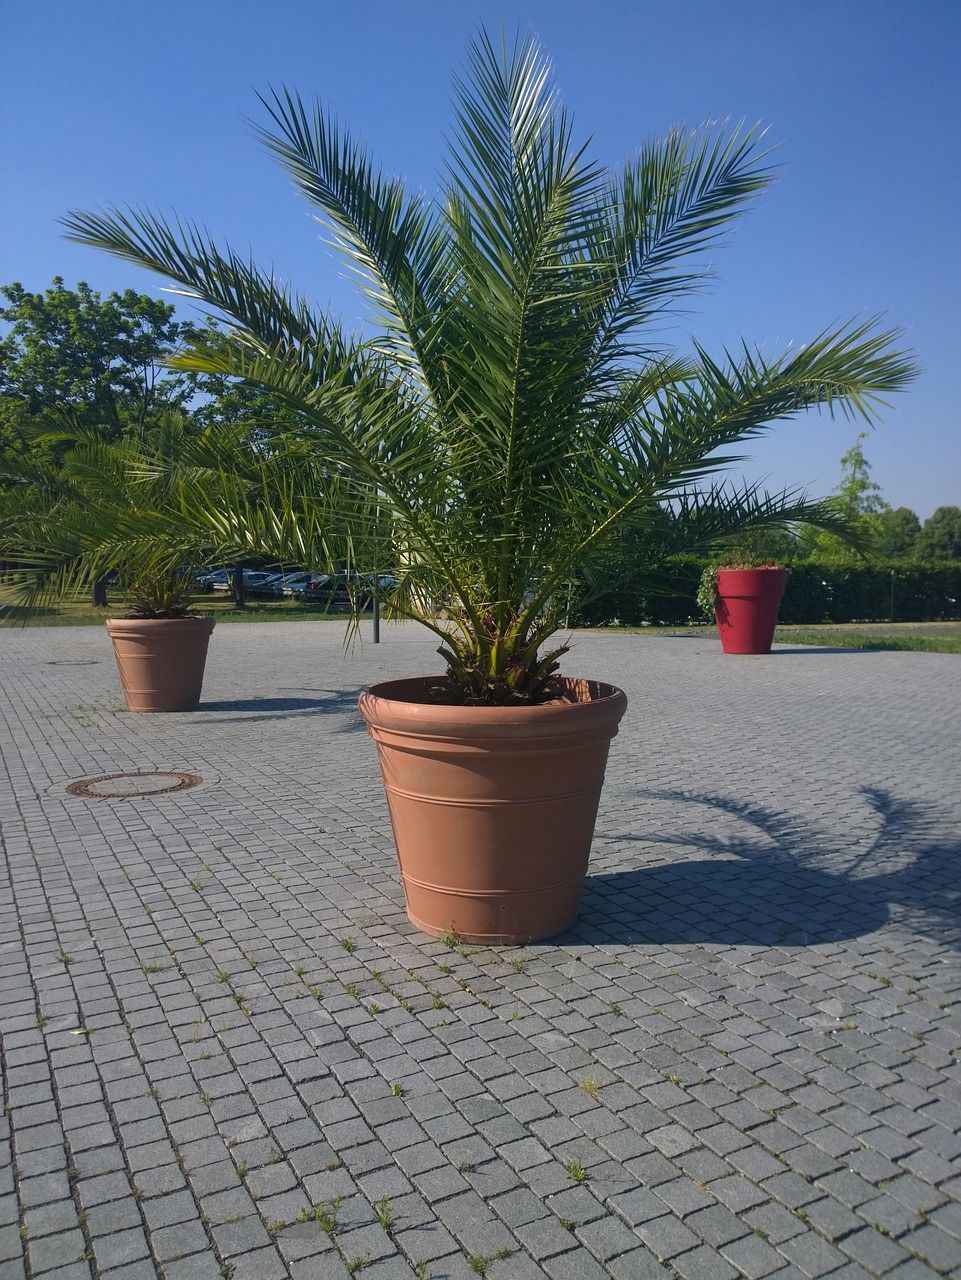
(129, 623)
(763, 568)
(441, 720)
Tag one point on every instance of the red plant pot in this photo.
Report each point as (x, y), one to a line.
(746, 608)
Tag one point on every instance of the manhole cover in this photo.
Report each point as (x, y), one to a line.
(118, 785)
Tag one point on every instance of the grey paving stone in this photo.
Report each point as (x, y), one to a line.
(811, 1254)
(144, 1270)
(752, 1257)
(704, 1264)
(241, 1236)
(170, 1243)
(545, 1238)
(638, 1265)
(11, 1245)
(55, 1251)
(116, 1215)
(637, 1206)
(119, 1247)
(717, 1225)
(426, 1243)
(58, 1215)
(164, 1211)
(578, 1265)
(200, 1266)
(606, 1238)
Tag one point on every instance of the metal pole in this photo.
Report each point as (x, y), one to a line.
(376, 608)
(892, 596)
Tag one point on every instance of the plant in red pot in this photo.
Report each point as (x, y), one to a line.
(506, 418)
(160, 647)
(743, 599)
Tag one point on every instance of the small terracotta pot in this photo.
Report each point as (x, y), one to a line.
(161, 660)
(746, 610)
(493, 808)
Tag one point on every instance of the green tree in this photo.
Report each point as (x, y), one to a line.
(857, 498)
(896, 532)
(858, 494)
(71, 360)
(940, 536)
(512, 412)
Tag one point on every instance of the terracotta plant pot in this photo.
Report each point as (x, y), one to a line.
(493, 808)
(746, 609)
(161, 660)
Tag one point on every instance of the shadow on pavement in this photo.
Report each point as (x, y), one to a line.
(782, 881)
(338, 702)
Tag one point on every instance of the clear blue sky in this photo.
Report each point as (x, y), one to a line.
(119, 102)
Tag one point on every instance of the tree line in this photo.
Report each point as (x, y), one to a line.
(73, 363)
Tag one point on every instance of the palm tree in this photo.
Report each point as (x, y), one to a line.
(514, 409)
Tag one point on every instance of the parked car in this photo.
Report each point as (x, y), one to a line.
(292, 584)
(340, 590)
(253, 580)
(208, 577)
(317, 586)
(266, 586)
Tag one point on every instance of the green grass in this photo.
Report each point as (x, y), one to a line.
(81, 614)
(877, 636)
(918, 637)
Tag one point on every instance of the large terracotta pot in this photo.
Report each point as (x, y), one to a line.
(493, 808)
(746, 609)
(161, 660)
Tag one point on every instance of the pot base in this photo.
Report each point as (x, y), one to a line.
(490, 939)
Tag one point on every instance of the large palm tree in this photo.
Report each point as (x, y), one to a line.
(513, 410)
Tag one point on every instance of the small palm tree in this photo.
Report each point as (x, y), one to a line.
(154, 501)
(513, 411)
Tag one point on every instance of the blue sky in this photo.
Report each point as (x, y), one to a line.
(147, 104)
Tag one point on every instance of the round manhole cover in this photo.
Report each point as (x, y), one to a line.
(118, 785)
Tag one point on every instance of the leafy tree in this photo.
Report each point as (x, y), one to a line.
(896, 532)
(857, 498)
(77, 360)
(858, 494)
(511, 413)
(940, 536)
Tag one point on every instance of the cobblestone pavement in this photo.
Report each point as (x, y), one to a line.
(227, 1054)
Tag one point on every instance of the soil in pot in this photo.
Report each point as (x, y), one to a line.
(746, 609)
(161, 660)
(493, 808)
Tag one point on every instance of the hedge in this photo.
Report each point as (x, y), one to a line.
(922, 592)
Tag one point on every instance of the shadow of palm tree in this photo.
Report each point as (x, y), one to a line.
(781, 881)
